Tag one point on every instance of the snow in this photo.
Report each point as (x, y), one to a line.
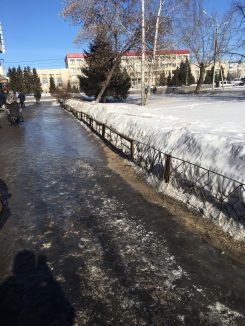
(207, 130)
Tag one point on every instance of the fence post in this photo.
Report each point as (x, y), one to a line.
(167, 169)
(103, 131)
(91, 123)
(132, 151)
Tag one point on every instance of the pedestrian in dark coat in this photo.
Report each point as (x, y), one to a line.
(3, 95)
(37, 95)
(22, 99)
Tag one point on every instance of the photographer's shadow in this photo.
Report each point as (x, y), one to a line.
(32, 297)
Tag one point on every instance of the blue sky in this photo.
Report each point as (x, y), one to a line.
(35, 36)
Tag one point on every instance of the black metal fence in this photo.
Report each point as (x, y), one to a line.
(210, 188)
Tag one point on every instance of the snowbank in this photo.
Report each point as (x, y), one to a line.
(206, 130)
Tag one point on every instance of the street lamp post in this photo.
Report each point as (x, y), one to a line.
(215, 48)
(215, 44)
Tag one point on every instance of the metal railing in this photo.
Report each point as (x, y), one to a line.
(223, 193)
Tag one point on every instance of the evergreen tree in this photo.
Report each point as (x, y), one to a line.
(19, 79)
(163, 80)
(209, 75)
(185, 74)
(36, 86)
(99, 61)
(169, 80)
(51, 85)
(13, 80)
(176, 81)
(69, 87)
(27, 78)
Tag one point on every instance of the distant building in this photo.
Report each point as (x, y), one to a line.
(166, 61)
(59, 75)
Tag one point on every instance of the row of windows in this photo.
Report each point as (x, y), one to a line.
(138, 67)
(132, 59)
(76, 69)
(77, 61)
(57, 81)
(159, 58)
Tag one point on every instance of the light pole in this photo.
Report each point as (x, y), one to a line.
(215, 48)
(215, 44)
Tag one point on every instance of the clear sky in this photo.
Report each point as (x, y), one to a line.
(35, 36)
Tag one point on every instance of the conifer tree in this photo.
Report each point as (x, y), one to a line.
(27, 78)
(176, 81)
(169, 80)
(13, 80)
(163, 79)
(19, 79)
(99, 61)
(36, 86)
(68, 87)
(51, 85)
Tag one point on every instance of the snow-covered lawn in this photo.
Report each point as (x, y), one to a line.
(208, 130)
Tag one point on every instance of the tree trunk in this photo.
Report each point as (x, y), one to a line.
(201, 78)
(153, 60)
(107, 81)
(143, 53)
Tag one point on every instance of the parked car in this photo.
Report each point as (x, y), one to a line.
(236, 81)
(173, 89)
(226, 83)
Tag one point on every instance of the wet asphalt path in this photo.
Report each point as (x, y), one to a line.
(79, 246)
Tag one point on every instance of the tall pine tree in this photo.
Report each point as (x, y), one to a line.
(37, 86)
(99, 62)
(51, 85)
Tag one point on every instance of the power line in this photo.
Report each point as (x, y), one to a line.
(33, 60)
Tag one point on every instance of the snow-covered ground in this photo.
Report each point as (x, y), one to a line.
(208, 130)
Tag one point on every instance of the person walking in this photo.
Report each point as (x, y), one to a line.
(37, 95)
(13, 107)
(22, 99)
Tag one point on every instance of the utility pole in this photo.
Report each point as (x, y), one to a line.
(215, 51)
(216, 35)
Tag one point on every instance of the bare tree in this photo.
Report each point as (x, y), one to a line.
(161, 31)
(118, 20)
(237, 11)
(207, 38)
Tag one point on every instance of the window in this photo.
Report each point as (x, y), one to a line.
(59, 82)
(72, 61)
(74, 84)
(79, 61)
(73, 77)
(73, 69)
(45, 82)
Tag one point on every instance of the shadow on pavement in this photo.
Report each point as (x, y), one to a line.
(31, 296)
(4, 196)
